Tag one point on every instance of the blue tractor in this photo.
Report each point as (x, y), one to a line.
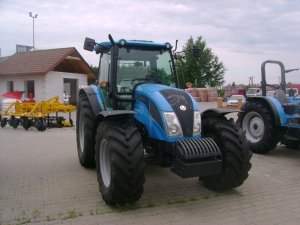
(271, 118)
(135, 114)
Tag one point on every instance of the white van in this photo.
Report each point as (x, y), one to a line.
(253, 92)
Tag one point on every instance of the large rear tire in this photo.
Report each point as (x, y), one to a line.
(236, 154)
(84, 132)
(258, 122)
(119, 162)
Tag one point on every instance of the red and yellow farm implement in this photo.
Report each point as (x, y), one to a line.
(37, 114)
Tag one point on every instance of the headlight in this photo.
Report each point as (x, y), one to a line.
(197, 124)
(173, 125)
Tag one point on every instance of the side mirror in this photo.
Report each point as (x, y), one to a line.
(89, 44)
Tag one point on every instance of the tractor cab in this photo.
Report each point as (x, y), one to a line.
(126, 64)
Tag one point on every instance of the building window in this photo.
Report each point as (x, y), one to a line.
(29, 88)
(10, 86)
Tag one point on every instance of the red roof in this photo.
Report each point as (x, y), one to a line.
(43, 61)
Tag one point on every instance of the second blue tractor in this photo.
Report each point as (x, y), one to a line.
(271, 118)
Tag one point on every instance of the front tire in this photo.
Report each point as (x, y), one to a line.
(235, 154)
(119, 162)
(84, 132)
(258, 123)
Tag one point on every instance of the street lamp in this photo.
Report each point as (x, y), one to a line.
(33, 17)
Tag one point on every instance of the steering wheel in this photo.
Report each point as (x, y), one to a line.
(148, 78)
(152, 76)
(135, 81)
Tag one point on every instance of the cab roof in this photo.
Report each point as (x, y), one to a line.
(136, 43)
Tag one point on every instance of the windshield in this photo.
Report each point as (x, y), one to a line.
(136, 65)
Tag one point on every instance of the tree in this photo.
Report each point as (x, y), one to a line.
(95, 70)
(201, 71)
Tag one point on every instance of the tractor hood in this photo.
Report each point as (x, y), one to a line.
(164, 97)
(152, 100)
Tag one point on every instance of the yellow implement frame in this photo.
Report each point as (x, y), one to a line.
(39, 110)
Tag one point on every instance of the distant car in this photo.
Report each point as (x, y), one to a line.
(233, 100)
(253, 92)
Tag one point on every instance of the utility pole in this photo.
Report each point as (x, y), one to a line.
(33, 17)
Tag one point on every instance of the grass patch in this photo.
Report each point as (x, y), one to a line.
(207, 196)
(60, 215)
(71, 214)
(127, 207)
(91, 212)
(98, 211)
(150, 204)
(23, 219)
(50, 218)
(36, 213)
(180, 201)
(194, 198)
(170, 202)
(24, 222)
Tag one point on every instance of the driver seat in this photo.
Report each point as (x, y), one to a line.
(281, 97)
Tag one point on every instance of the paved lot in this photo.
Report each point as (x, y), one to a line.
(42, 182)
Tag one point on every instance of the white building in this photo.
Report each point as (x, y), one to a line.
(45, 73)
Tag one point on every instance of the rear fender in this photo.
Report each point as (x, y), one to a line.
(113, 115)
(216, 113)
(273, 104)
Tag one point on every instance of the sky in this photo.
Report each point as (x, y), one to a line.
(242, 33)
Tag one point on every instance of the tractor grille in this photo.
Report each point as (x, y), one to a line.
(176, 99)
